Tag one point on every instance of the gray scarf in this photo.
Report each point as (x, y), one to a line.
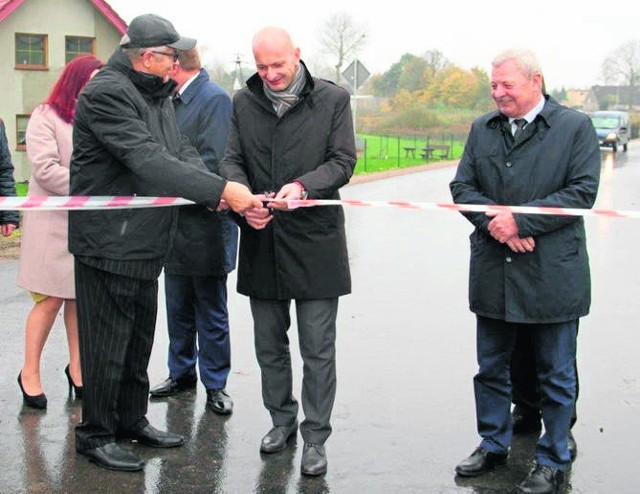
(284, 100)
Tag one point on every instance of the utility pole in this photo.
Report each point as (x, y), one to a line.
(238, 78)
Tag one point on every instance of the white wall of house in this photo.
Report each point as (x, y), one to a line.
(23, 90)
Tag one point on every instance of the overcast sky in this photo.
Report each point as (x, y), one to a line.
(570, 37)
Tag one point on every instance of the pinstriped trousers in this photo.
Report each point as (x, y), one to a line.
(116, 324)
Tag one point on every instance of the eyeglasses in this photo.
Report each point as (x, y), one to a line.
(173, 54)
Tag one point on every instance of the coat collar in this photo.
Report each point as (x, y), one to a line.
(192, 89)
(495, 119)
(148, 84)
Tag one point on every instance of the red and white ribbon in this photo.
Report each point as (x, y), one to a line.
(292, 204)
(47, 203)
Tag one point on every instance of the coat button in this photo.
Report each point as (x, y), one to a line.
(508, 164)
(508, 259)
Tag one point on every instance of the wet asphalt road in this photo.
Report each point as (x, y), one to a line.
(404, 413)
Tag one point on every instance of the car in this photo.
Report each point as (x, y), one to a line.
(612, 128)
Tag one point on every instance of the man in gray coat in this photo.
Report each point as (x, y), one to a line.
(528, 273)
(291, 137)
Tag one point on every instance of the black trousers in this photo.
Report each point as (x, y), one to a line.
(116, 324)
(524, 382)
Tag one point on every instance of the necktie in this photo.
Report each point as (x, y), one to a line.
(520, 123)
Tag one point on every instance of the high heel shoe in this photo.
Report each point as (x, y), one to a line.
(37, 401)
(76, 389)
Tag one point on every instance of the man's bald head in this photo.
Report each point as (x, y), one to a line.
(277, 58)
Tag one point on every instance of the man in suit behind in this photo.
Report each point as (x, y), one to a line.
(203, 252)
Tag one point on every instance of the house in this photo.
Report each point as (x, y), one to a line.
(40, 37)
(575, 98)
(624, 98)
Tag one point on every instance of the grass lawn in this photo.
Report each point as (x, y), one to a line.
(380, 153)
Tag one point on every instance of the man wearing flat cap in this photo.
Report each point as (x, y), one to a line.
(126, 143)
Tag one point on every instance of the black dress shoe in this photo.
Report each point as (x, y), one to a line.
(314, 460)
(113, 457)
(276, 439)
(33, 401)
(480, 461)
(542, 480)
(219, 401)
(524, 422)
(150, 436)
(171, 386)
(573, 447)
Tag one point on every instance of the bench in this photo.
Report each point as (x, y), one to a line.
(440, 151)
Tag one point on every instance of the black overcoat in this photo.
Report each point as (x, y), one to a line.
(556, 163)
(301, 254)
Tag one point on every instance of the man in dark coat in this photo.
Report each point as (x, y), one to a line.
(527, 272)
(9, 220)
(126, 142)
(203, 252)
(291, 137)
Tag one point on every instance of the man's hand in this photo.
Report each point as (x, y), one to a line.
(239, 198)
(503, 226)
(289, 192)
(522, 245)
(258, 218)
(7, 229)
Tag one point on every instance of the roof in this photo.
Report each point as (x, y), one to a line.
(8, 6)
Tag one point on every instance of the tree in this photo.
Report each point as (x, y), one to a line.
(342, 39)
(386, 85)
(413, 76)
(435, 62)
(622, 67)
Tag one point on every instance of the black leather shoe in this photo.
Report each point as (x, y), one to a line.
(276, 439)
(481, 461)
(171, 386)
(219, 401)
(113, 457)
(150, 436)
(573, 447)
(542, 480)
(33, 401)
(524, 422)
(314, 460)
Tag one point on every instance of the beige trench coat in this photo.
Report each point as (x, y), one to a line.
(46, 265)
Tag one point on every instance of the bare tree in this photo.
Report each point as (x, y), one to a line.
(341, 38)
(436, 61)
(622, 66)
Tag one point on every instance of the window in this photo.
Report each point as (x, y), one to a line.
(76, 45)
(21, 131)
(31, 51)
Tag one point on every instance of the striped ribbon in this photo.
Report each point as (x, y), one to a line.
(47, 203)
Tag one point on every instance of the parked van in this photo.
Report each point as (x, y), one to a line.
(612, 128)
